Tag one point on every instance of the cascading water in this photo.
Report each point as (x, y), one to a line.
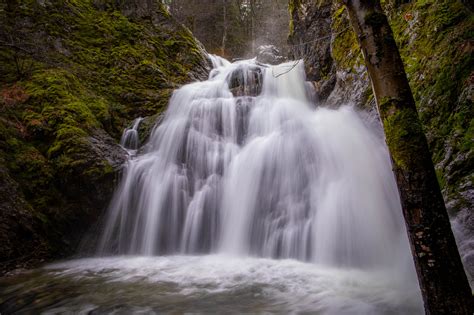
(267, 176)
(130, 139)
(295, 208)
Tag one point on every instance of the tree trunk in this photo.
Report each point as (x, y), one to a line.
(224, 34)
(441, 276)
(252, 25)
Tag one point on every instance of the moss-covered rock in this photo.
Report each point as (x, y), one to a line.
(323, 38)
(73, 75)
(435, 40)
(435, 43)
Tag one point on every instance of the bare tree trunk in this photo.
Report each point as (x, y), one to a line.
(441, 276)
(224, 34)
(252, 25)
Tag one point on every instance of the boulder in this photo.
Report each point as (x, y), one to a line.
(246, 81)
(269, 54)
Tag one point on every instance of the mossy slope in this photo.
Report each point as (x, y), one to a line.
(73, 75)
(435, 40)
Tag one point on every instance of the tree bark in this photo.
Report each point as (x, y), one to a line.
(441, 276)
(252, 25)
(224, 34)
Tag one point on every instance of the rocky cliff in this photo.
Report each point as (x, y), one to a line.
(73, 74)
(435, 39)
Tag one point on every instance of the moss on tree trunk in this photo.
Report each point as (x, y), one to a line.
(443, 283)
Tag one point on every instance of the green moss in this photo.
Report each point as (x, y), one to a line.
(34, 173)
(86, 68)
(68, 139)
(441, 180)
(403, 131)
(467, 142)
(438, 65)
(111, 69)
(345, 48)
(338, 12)
(58, 99)
(293, 6)
(291, 27)
(103, 48)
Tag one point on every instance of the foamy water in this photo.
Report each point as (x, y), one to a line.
(203, 284)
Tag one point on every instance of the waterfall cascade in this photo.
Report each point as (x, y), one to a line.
(130, 139)
(244, 169)
(266, 175)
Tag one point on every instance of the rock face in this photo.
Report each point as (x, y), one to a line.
(246, 81)
(269, 54)
(74, 74)
(310, 32)
(314, 34)
(436, 47)
(18, 224)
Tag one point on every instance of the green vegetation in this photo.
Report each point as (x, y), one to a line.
(402, 131)
(434, 41)
(74, 74)
(293, 6)
(345, 48)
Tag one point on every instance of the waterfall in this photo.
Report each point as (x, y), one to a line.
(130, 139)
(246, 198)
(244, 164)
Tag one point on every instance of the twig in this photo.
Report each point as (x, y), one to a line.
(319, 38)
(285, 72)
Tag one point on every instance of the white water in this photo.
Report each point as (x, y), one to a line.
(216, 283)
(130, 139)
(269, 176)
(205, 284)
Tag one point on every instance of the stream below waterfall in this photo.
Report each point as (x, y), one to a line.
(205, 284)
(246, 198)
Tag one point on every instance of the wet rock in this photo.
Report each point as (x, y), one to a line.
(104, 147)
(347, 88)
(20, 241)
(246, 81)
(147, 125)
(309, 40)
(269, 54)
